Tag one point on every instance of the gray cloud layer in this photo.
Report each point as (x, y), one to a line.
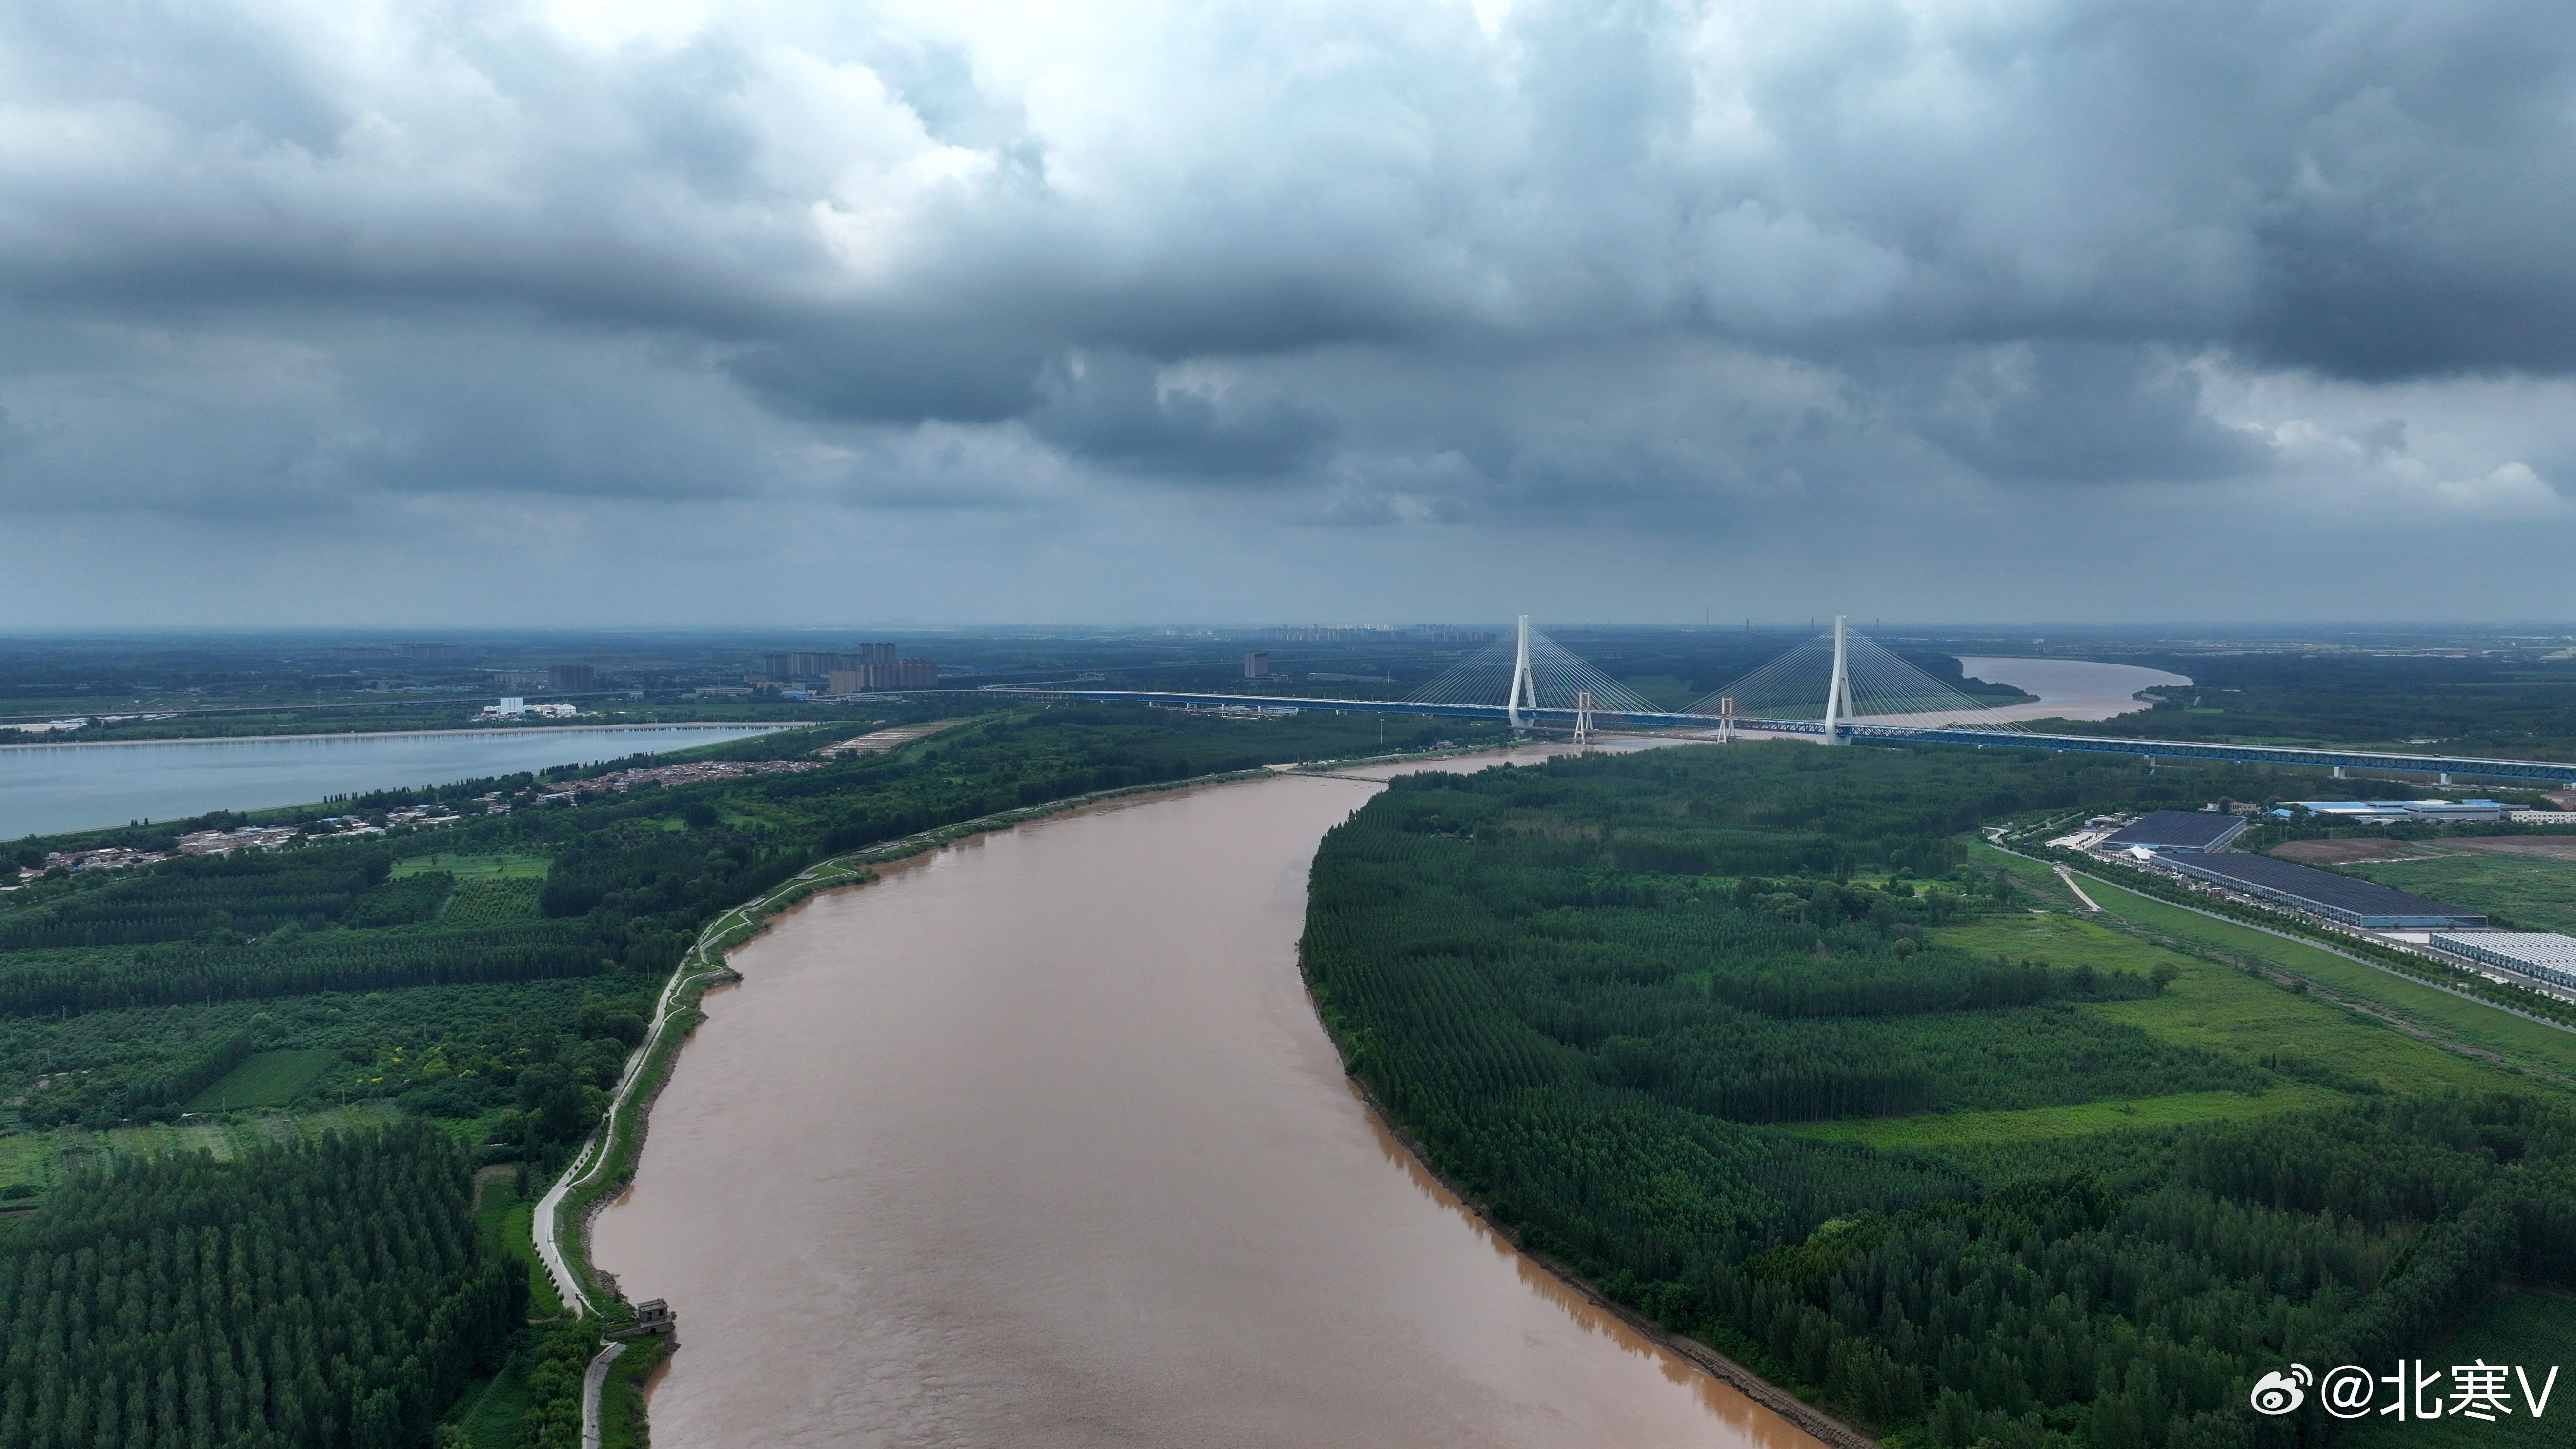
(1738, 272)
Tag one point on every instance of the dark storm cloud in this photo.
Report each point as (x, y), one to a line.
(1116, 408)
(1656, 267)
(2058, 412)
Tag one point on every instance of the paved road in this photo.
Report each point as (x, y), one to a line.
(2068, 876)
(591, 1383)
(546, 1226)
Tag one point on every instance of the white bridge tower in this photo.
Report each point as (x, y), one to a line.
(1523, 686)
(1838, 696)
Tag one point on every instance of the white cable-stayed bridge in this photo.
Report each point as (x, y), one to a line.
(1838, 688)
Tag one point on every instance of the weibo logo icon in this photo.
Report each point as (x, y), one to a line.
(2279, 1393)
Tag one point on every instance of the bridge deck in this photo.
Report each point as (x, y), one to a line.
(2494, 769)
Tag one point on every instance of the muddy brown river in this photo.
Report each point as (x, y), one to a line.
(1037, 1143)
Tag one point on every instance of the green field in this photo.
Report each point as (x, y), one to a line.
(2480, 1039)
(270, 1079)
(2533, 892)
(46, 1158)
(476, 867)
(507, 1223)
(2462, 1023)
(2213, 1007)
(1933, 1131)
(491, 1409)
(2228, 1011)
(2524, 1327)
(492, 898)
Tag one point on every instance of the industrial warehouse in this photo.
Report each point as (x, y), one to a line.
(2360, 903)
(2544, 954)
(2188, 831)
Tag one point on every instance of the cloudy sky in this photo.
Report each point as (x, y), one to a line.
(473, 311)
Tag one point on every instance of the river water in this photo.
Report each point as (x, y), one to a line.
(2068, 688)
(1037, 1142)
(47, 788)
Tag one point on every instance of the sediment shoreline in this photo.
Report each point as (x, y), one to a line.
(1805, 1416)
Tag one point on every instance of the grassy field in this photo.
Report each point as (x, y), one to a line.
(2318, 1047)
(2463, 1024)
(492, 898)
(507, 1219)
(2231, 1012)
(491, 1408)
(1933, 1131)
(44, 1158)
(2535, 892)
(2481, 1042)
(621, 1399)
(476, 867)
(269, 1079)
(2530, 1329)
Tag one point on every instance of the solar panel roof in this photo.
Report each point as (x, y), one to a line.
(2176, 830)
(2361, 897)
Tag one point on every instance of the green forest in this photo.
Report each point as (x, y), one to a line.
(330, 1293)
(1629, 1001)
(477, 986)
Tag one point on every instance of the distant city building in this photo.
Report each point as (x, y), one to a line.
(510, 704)
(426, 651)
(811, 664)
(1377, 634)
(571, 678)
(1256, 665)
(870, 673)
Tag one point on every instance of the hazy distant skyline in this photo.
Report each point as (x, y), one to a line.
(591, 314)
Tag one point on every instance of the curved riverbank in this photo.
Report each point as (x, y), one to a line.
(606, 1161)
(1818, 1424)
(1057, 1239)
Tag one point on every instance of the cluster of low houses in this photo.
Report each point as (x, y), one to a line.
(348, 827)
(689, 774)
(248, 837)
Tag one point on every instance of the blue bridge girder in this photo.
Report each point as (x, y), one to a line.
(2491, 769)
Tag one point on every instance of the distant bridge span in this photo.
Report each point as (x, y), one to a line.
(1846, 729)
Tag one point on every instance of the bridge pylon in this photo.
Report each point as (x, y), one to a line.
(1838, 695)
(1524, 686)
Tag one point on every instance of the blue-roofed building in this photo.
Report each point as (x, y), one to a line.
(2187, 831)
(2366, 904)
